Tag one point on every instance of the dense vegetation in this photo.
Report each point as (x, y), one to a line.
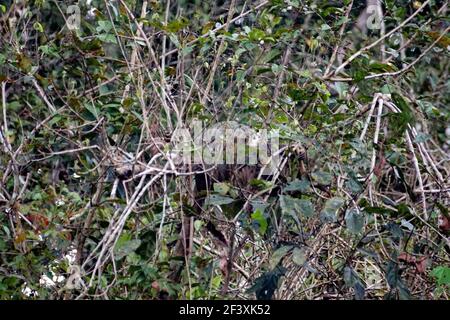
(92, 205)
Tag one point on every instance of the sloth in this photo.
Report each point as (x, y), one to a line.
(238, 175)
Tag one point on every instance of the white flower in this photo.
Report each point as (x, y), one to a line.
(70, 256)
(91, 13)
(218, 25)
(46, 281)
(261, 42)
(27, 291)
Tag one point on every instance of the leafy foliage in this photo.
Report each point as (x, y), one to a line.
(91, 189)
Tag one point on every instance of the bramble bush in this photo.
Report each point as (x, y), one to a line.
(93, 205)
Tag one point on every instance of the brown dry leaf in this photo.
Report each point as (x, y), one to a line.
(406, 257)
(444, 223)
(419, 262)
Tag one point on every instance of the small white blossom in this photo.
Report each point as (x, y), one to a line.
(70, 256)
(27, 291)
(239, 21)
(91, 13)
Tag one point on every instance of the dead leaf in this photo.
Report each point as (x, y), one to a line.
(419, 262)
(443, 223)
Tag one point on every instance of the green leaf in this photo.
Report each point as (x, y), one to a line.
(422, 137)
(399, 121)
(187, 50)
(354, 221)
(287, 204)
(104, 26)
(350, 277)
(221, 188)
(278, 255)
(305, 207)
(442, 275)
(177, 25)
(265, 286)
(354, 185)
(395, 230)
(174, 39)
(443, 210)
(352, 280)
(302, 185)
(93, 110)
(299, 256)
(322, 177)
(381, 67)
(329, 212)
(341, 88)
(256, 34)
(392, 275)
(218, 200)
(276, 68)
(359, 75)
(261, 184)
(381, 210)
(293, 206)
(325, 27)
(108, 38)
(403, 291)
(125, 247)
(271, 55)
(25, 64)
(259, 218)
(38, 27)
